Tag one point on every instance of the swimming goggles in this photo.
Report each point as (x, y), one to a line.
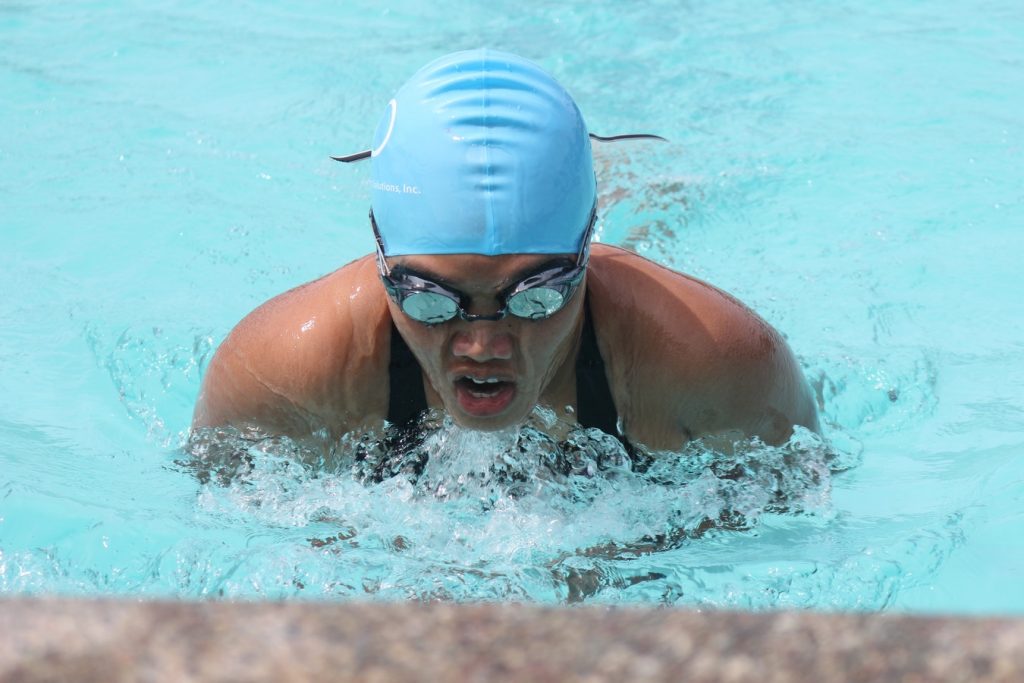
(535, 297)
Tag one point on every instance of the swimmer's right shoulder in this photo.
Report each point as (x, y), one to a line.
(315, 327)
(333, 290)
(302, 353)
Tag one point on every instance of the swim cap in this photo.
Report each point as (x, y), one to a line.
(482, 152)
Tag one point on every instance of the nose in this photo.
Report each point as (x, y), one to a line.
(482, 341)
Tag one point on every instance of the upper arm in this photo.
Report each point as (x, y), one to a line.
(739, 380)
(768, 392)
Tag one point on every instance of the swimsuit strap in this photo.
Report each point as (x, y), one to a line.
(406, 398)
(594, 404)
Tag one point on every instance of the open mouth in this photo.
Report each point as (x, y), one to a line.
(481, 388)
(484, 396)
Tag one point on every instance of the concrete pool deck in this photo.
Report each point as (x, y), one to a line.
(50, 639)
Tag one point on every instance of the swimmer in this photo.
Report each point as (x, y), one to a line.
(485, 297)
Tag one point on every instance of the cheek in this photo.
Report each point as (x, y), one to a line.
(426, 345)
(559, 340)
(545, 344)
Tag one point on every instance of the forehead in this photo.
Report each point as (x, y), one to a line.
(475, 271)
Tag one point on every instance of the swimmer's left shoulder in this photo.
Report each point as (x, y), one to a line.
(684, 357)
(649, 297)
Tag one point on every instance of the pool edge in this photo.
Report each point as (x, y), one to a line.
(119, 640)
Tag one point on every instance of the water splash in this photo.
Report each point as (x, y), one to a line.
(155, 372)
(513, 514)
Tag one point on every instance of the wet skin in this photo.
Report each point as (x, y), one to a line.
(683, 359)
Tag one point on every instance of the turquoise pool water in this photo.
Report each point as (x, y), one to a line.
(851, 170)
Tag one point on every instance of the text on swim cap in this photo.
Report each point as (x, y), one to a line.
(392, 187)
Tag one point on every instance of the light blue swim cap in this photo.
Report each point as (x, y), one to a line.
(482, 152)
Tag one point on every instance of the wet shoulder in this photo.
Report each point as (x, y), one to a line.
(316, 311)
(317, 344)
(678, 351)
(641, 302)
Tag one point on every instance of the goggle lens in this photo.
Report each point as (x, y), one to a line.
(429, 307)
(535, 303)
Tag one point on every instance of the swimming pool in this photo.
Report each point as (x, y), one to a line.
(852, 172)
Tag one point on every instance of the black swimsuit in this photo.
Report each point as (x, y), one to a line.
(594, 404)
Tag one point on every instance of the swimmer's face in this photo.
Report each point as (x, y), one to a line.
(489, 374)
